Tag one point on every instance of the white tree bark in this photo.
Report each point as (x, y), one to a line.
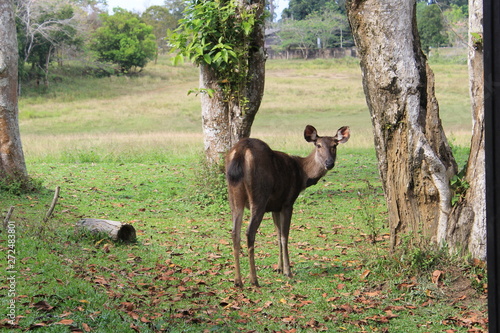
(12, 165)
(415, 160)
(467, 226)
(476, 168)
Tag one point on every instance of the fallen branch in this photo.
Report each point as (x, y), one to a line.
(52, 205)
(7, 218)
(50, 211)
(116, 230)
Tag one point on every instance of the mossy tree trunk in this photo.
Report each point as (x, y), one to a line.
(228, 114)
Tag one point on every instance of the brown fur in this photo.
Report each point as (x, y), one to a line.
(265, 180)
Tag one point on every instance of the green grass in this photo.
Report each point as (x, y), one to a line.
(131, 152)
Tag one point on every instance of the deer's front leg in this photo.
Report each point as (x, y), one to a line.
(277, 225)
(285, 220)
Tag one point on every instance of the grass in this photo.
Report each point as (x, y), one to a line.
(131, 152)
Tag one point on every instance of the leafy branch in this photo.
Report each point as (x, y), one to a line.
(217, 33)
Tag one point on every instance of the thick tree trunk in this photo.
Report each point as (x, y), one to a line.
(415, 160)
(12, 165)
(227, 119)
(467, 226)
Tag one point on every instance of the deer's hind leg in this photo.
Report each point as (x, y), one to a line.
(237, 201)
(257, 211)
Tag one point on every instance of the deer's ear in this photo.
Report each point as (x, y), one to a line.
(343, 134)
(310, 134)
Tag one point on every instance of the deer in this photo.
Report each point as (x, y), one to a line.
(264, 180)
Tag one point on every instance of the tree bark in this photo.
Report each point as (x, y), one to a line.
(415, 160)
(226, 119)
(12, 164)
(467, 226)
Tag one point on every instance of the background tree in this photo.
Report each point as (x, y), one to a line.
(124, 40)
(161, 19)
(296, 35)
(456, 19)
(12, 165)
(415, 161)
(43, 26)
(300, 9)
(329, 28)
(176, 8)
(318, 31)
(226, 39)
(431, 26)
(313, 25)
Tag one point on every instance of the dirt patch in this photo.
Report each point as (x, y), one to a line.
(466, 288)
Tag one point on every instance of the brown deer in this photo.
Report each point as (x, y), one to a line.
(265, 180)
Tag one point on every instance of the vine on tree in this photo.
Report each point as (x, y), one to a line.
(217, 33)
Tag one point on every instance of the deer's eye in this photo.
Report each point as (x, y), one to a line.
(318, 145)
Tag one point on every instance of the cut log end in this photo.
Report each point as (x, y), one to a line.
(114, 229)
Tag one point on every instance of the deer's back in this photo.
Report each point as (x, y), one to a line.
(259, 174)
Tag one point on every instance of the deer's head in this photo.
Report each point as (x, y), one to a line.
(326, 146)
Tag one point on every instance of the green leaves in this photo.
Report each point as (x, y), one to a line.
(459, 185)
(124, 40)
(216, 33)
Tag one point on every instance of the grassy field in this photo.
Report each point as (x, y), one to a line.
(129, 149)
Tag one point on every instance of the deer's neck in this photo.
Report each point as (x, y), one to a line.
(312, 170)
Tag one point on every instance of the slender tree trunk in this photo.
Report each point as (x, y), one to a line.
(228, 118)
(415, 160)
(12, 165)
(467, 226)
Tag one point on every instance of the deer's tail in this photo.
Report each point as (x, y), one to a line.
(234, 168)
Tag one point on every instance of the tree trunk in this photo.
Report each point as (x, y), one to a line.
(228, 118)
(12, 165)
(415, 160)
(467, 225)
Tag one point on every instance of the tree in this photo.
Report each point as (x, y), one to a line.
(124, 40)
(300, 9)
(43, 26)
(330, 28)
(176, 8)
(430, 26)
(12, 165)
(456, 19)
(318, 31)
(415, 161)
(226, 39)
(161, 20)
(296, 35)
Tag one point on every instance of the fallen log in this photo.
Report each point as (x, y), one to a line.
(116, 230)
